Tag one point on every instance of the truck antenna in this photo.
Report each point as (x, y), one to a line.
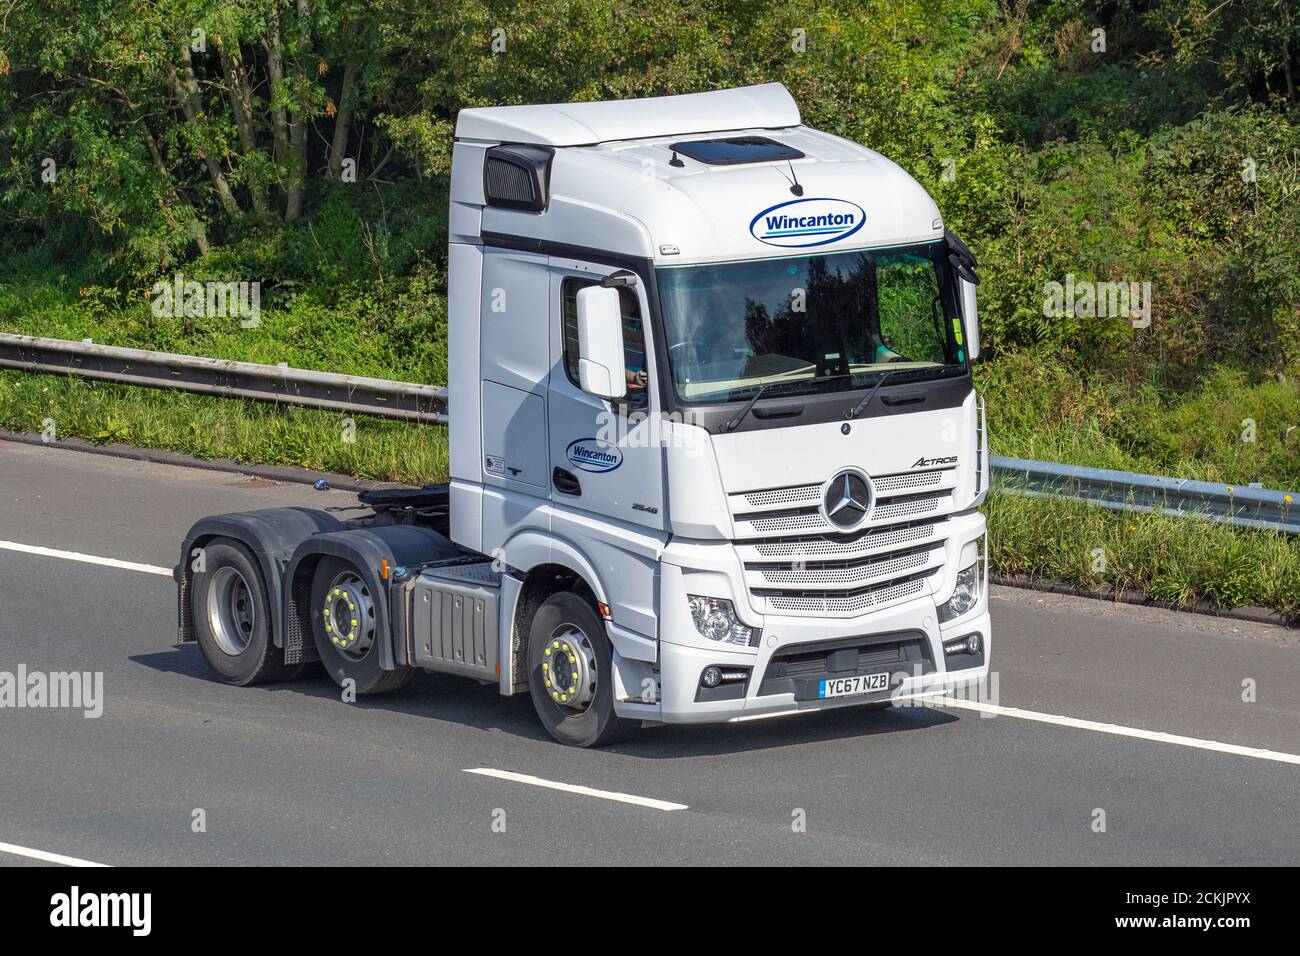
(793, 179)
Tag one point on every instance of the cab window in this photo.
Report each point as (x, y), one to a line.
(636, 369)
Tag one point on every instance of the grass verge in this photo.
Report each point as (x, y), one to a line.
(209, 427)
(1178, 561)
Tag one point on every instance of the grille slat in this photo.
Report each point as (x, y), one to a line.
(851, 603)
(783, 496)
(887, 511)
(843, 576)
(841, 546)
(770, 499)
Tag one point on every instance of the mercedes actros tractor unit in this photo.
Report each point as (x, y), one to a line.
(715, 451)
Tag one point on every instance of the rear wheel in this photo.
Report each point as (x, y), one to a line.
(571, 674)
(232, 617)
(346, 629)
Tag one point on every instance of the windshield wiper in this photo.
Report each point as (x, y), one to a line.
(734, 423)
(857, 409)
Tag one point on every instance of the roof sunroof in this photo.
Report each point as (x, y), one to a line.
(736, 150)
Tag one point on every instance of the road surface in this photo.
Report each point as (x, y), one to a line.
(1158, 744)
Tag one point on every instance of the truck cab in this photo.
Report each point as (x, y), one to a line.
(715, 450)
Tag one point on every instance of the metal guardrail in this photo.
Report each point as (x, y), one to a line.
(192, 373)
(1119, 490)
(1239, 505)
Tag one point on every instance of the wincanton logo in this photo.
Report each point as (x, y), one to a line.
(591, 454)
(800, 223)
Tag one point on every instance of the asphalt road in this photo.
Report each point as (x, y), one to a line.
(289, 774)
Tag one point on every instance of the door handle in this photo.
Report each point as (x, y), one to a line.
(566, 482)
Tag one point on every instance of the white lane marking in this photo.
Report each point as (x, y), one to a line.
(584, 791)
(1119, 730)
(44, 856)
(84, 558)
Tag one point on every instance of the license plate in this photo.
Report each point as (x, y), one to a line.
(852, 686)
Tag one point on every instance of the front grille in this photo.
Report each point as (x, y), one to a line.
(797, 563)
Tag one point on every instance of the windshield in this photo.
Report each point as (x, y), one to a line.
(827, 322)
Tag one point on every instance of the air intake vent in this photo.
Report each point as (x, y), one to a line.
(518, 177)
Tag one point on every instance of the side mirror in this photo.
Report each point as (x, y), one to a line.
(601, 371)
(971, 315)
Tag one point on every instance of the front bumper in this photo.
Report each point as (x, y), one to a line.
(682, 665)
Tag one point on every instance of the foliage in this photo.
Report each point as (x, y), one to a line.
(1171, 156)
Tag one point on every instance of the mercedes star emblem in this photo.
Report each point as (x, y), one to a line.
(847, 500)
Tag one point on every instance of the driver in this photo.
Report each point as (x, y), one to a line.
(634, 353)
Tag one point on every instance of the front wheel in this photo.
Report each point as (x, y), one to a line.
(571, 674)
(346, 629)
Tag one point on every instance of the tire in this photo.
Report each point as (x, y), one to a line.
(352, 654)
(568, 646)
(232, 617)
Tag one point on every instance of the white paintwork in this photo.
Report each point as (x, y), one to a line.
(465, 265)
(661, 512)
(574, 124)
(624, 197)
(970, 313)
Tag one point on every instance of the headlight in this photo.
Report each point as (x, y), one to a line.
(965, 595)
(715, 619)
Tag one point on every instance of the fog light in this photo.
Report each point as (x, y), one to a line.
(711, 677)
(970, 644)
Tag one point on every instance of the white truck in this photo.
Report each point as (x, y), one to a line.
(715, 451)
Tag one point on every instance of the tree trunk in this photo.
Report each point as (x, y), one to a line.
(299, 122)
(186, 91)
(275, 73)
(200, 234)
(342, 123)
(241, 104)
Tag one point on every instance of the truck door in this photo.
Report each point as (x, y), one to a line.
(515, 365)
(605, 455)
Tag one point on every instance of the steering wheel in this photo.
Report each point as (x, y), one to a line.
(686, 352)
